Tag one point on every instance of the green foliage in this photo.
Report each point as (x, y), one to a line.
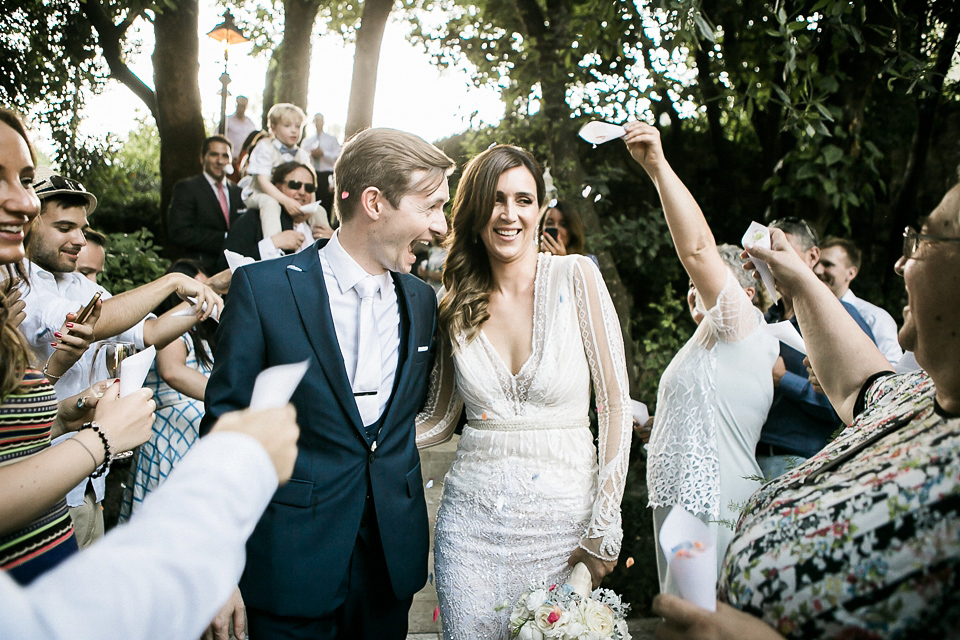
(131, 261)
(126, 180)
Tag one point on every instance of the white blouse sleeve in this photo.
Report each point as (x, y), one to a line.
(603, 344)
(437, 420)
(732, 318)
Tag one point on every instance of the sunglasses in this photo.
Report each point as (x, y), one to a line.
(295, 185)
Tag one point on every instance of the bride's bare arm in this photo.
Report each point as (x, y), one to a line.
(603, 344)
(437, 420)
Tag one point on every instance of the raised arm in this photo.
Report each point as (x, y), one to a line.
(691, 234)
(127, 309)
(437, 420)
(841, 354)
(603, 344)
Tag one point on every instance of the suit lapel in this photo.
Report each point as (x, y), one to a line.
(305, 275)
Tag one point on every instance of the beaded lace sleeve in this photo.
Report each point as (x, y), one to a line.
(603, 346)
(437, 420)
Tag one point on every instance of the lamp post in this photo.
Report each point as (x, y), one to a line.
(227, 33)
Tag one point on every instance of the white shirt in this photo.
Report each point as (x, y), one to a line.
(267, 155)
(330, 147)
(166, 573)
(268, 251)
(237, 131)
(49, 299)
(341, 272)
(881, 323)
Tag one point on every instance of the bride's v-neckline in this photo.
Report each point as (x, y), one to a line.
(496, 356)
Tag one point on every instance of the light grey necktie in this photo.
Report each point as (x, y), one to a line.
(366, 382)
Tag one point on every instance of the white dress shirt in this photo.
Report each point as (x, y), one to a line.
(881, 323)
(340, 273)
(268, 251)
(331, 150)
(166, 573)
(49, 298)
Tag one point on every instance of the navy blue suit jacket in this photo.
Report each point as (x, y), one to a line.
(299, 553)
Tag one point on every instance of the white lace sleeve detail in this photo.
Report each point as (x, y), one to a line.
(603, 345)
(731, 319)
(437, 420)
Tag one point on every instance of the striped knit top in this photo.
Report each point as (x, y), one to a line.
(26, 416)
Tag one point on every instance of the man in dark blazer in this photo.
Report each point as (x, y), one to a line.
(203, 207)
(342, 548)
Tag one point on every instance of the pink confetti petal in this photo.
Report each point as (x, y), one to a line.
(436, 613)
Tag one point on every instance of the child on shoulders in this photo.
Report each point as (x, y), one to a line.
(286, 123)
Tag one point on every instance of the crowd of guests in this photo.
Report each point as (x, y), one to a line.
(818, 534)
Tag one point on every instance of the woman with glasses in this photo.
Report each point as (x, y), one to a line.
(863, 539)
(293, 179)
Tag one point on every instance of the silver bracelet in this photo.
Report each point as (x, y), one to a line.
(49, 375)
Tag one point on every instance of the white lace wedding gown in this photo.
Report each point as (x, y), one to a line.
(527, 487)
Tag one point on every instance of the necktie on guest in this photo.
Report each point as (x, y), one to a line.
(224, 207)
(366, 382)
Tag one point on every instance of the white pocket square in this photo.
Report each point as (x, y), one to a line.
(294, 267)
(422, 349)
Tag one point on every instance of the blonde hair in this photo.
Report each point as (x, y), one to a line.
(283, 110)
(466, 273)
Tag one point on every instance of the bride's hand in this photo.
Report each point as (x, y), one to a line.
(598, 568)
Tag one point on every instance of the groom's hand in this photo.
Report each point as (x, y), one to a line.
(598, 568)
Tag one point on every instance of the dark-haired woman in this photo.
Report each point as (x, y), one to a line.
(531, 334)
(178, 379)
(36, 532)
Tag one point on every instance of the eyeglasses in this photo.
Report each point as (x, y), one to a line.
(295, 185)
(912, 238)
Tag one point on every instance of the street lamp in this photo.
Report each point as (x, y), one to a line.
(227, 33)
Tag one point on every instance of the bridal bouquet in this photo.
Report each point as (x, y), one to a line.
(569, 612)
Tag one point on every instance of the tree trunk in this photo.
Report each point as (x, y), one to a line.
(293, 68)
(565, 162)
(363, 87)
(176, 58)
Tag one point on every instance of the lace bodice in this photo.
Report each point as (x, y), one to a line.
(683, 466)
(577, 345)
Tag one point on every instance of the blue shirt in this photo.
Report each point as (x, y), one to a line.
(800, 419)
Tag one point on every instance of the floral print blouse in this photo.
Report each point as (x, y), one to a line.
(863, 539)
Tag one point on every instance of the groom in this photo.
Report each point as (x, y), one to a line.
(342, 547)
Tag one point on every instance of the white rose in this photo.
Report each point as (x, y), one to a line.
(597, 617)
(541, 617)
(529, 631)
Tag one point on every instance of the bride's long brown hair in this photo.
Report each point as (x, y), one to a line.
(466, 273)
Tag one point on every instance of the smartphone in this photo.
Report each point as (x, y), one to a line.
(553, 232)
(87, 310)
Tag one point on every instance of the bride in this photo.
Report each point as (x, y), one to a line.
(528, 335)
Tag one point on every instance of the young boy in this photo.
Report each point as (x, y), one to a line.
(286, 125)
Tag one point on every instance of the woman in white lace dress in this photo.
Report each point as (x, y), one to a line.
(528, 336)
(715, 394)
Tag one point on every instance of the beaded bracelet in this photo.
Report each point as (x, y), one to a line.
(107, 454)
